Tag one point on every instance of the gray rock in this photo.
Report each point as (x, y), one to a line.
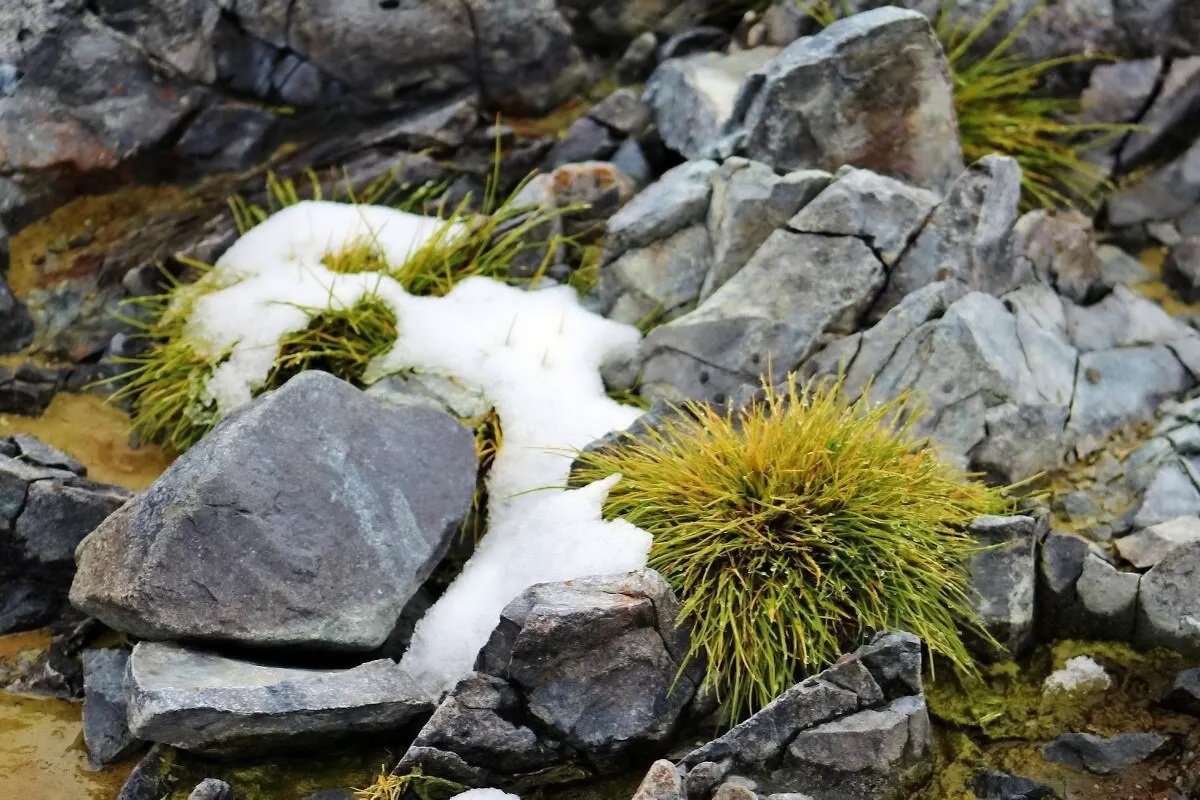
(994, 785)
(585, 140)
(662, 782)
(105, 707)
(1120, 385)
(1108, 600)
(658, 282)
(1117, 266)
(1100, 756)
(1060, 563)
(749, 202)
(43, 455)
(1181, 271)
(1189, 223)
(698, 39)
(1120, 92)
(211, 789)
(1185, 692)
(218, 706)
(1177, 102)
(734, 791)
(151, 777)
(1166, 193)
(968, 236)
(59, 514)
(623, 112)
(228, 136)
(1150, 545)
(1168, 609)
(637, 62)
(1003, 578)
(1059, 249)
(270, 534)
(894, 661)
(872, 91)
(1171, 493)
(881, 211)
(871, 754)
(795, 288)
(679, 199)
(693, 97)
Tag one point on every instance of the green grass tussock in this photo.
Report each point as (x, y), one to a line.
(796, 524)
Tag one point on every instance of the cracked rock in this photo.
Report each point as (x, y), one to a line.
(1003, 578)
(1101, 756)
(1168, 608)
(271, 534)
(1151, 545)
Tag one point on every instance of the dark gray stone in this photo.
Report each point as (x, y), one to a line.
(151, 778)
(1120, 92)
(267, 532)
(1181, 271)
(58, 515)
(1107, 599)
(219, 706)
(1003, 578)
(1101, 756)
(623, 112)
(1176, 104)
(41, 454)
(106, 706)
(1185, 692)
(1150, 545)
(1166, 193)
(585, 140)
(872, 91)
(229, 136)
(1168, 608)
(994, 785)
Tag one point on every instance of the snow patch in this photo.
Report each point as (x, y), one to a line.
(536, 356)
(485, 794)
(1079, 674)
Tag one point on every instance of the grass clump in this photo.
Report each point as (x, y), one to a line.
(415, 784)
(1002, 108)
(793, 525)
(340, 341)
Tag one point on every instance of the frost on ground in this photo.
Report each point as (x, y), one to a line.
(1080, 674)
(535, 354)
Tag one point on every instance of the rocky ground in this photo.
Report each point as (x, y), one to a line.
(759, 197)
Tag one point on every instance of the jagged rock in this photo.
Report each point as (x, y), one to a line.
(693, 97)
(150, 779)
(585, 140)
(662, 782)
(872, 91)
(658, 282)
(1120, 92)
(622, 112)
(1185, 692)
(1177, 102)
(228, 136)
(1117, 266)
(577, 679)
(1123, 384)
(220, 706)
(211, 789)
(1166, 193)
(1181, 271)
(1150, 545)
(1082, 596)
(1059, 249)
(637, 62)
(881, 211)
(767, 317)
(679, 199)
(16, 326)
(968, 236)
(1170, 493)
(1108, 600)
(1003, 577)
(270, 534)
(1168, 608)
(1085, 751)
(993, 785)
(105, 707)
(749, 202)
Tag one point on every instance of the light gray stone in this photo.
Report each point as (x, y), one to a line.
(1171, 493)
(1120, 92)
(693, 97)
(882, 211)
(1181, 271)
(1116, 266)
(1176, 102)
(1107, 599)
(1166, 193)
(1168, 613)
(1150, 545)
(213, 705)
(270, 533)
(658, 282)
(1122, 385)
(677, 200)
(662, 782)
(1003, 577)
(872, 91)
(211, 789)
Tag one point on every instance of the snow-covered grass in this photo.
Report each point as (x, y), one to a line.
(534, 353)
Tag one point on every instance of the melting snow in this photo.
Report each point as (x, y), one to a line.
(1080, 674)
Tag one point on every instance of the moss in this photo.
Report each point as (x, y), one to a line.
(282, 778)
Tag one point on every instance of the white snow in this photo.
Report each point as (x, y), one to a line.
(1079, 674)
(536, 356)
(485, 794)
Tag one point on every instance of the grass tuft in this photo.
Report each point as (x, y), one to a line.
(415, 784)
(340, 341)
(793, 526)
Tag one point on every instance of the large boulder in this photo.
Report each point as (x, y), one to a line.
(578, 678)
(308, 518)
(219, 706)
(872, 90)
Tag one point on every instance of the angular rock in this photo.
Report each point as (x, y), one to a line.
(1059, 249)
(1176, 104)
(731, 790)
(994, 785)
(1166, 193)
(585, 140)
(1168, 609)
(1120, 92)
(623, 112)
(1171, 492)
(1101, 756)
(58, 515)
(1150, 545)
(1185, 692)
(872, 91)
(749, 202)
(151, 778)
(211, 789)
(768, 317)
(968, 236)
(1108, 600)
(1003, 578)
(218, 706)
(1181, 271)
(1117, 266)
(662, 782)
(271, 534)
(679, 199)
(693, 97)
(1120, 385)
(658, 282)
(881, 211)
(1060, 564)
(106, 706)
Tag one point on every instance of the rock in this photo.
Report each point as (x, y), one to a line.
(871, 754)
(58, 515)
(268, 535)
(994, 785)
(658, 282)
(662, 782)
(1168, 609)
(1117, 266)
(768, 316)
(1060, 564)
(228, 136)
(1059, 249)
(1185, 692)
(578, 678)
(622, 112)
(211, 789)
(1100, 756)
(700, 39)
(585, 140)
(693, 97)
(1150, 545)
(637, 62)
(151, 778)
(1123, 384)
(26, 605)
(1176, 102)
(749, 202)
(16, 326)
(1181, 271)
(872, 91)
(1166, 193)
(679, 199)
(25, 394)
(968, 236)
(41, 454)
(218, 706)
(105, 707)
(1003, 578)
(1170, 493)
(1107, 600)
(1120, 92)
(882, 211)
(631, 160)
(734, 791)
